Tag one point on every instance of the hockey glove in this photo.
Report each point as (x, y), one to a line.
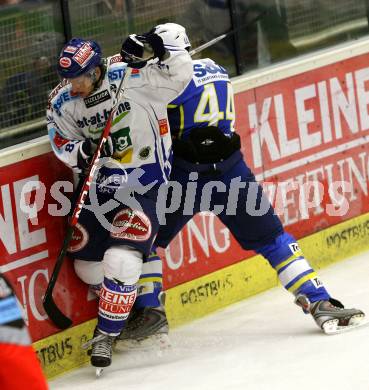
(156, 43)
(87, 149)
(133, 48)
(132, 51)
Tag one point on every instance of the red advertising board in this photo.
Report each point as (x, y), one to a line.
(300, 135)
(30, 239)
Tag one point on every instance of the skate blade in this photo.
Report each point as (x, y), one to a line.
(99, 371)
(154, 342)
(331, 327)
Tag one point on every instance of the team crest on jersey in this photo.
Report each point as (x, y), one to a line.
(144, 153)
(163, 126)
(131, 225)
(79, 238)
(124, 149)
(84, 54)
(97, 98)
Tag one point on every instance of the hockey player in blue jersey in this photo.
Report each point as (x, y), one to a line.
(206, 148)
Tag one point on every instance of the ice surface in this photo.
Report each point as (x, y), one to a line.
(262, 343)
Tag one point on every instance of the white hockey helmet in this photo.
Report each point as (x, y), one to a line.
(173, 35)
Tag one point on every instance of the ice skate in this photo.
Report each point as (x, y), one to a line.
(101, 353)
(147, 328)
(331, 316)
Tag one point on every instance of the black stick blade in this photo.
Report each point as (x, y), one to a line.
(56, 316)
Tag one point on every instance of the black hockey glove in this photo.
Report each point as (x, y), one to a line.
(156, 43)
(132, 50)
(87, 149)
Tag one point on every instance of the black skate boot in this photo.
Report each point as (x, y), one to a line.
(146, 328)
(102, 348)
(331, 316)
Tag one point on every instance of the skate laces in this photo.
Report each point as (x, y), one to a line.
(98, 339)
(103, 347)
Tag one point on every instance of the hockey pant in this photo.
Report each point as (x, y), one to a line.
(262, 233)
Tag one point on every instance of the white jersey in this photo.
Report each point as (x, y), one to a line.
(140, 123)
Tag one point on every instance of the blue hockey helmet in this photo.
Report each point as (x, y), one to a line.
(77, 57)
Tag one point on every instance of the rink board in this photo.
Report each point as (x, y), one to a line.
(302, 120)
(62, 352)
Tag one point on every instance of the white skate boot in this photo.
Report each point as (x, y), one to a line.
(331, 316)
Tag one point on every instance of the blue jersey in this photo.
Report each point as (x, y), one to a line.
(207, 101)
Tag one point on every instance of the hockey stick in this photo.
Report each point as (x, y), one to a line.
(225, 35)
(212, 41)
(52, 310)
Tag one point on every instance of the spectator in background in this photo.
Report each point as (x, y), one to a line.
(19, 368)
(24, 94)
(9, 2)
(261, 43)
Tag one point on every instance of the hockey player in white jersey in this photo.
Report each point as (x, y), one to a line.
(110, 243)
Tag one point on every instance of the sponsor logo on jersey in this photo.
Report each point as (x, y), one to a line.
(63, 97)
(317, 282)
(206, 72)
(163, 126)
(115, 59)
(84, 54)
(131, 225)
(59, 141)
(144, 153)
(116, 305)
(97, 98)
(79, 238)
(115, 74)
(99, 119)
(294, 247)
(65, 62)
(135, 73)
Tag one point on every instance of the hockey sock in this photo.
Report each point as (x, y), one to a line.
(115, 303)
(294, 271)
(150, 283)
